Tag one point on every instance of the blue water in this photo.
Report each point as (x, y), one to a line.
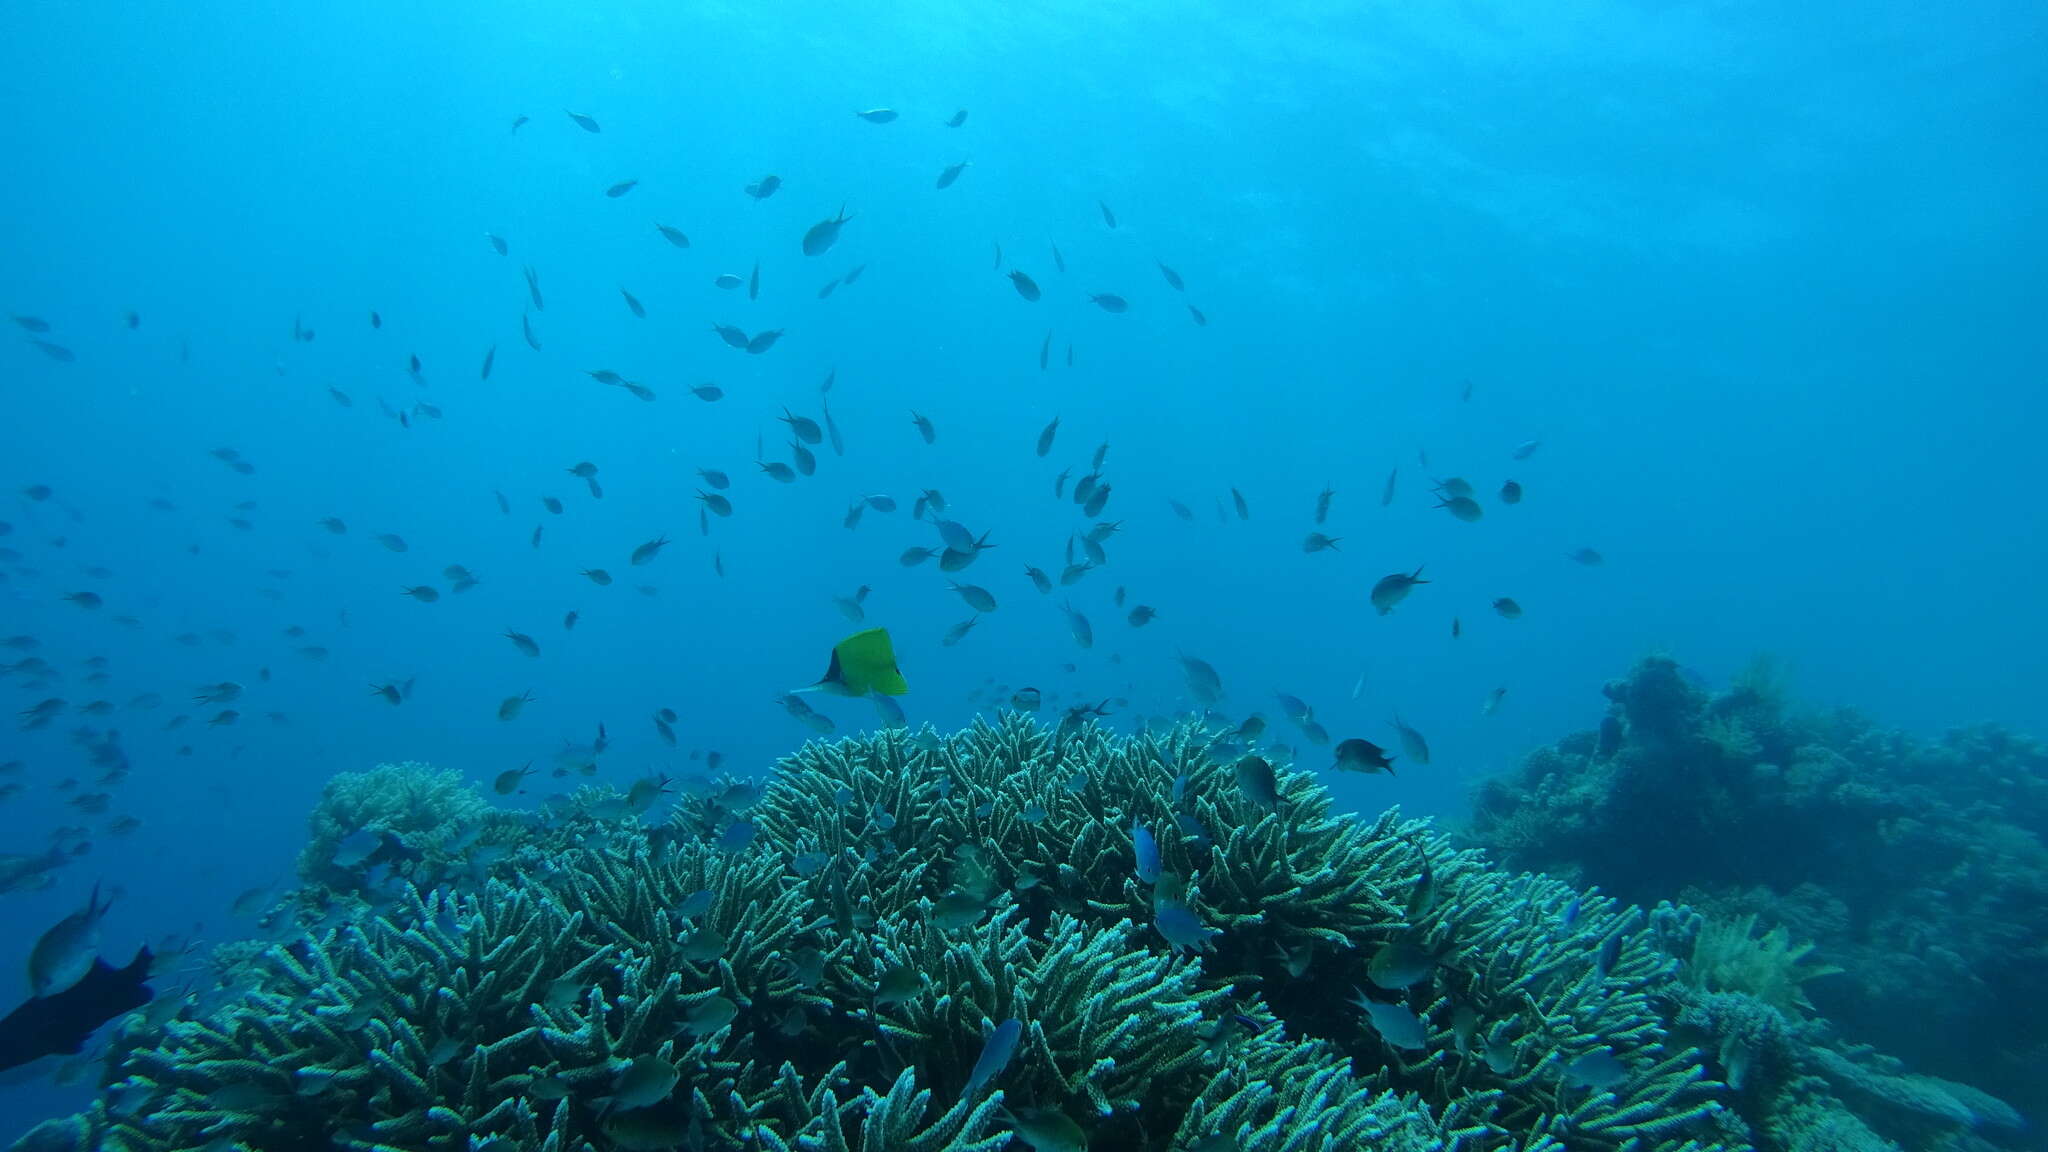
(1763, 281)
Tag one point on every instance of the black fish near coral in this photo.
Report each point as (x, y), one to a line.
(59, 1025)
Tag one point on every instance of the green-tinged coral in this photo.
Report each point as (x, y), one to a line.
(820, 962)
(1728, 956)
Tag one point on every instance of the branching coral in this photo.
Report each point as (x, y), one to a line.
(819, 963)
(431, 813)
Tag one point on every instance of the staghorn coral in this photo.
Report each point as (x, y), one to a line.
(1916, 868)
(753, 946)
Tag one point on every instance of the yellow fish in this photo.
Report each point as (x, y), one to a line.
(862, 663)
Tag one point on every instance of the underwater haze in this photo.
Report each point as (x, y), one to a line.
(347, 342)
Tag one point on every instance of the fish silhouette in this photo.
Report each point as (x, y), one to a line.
(59, 1025)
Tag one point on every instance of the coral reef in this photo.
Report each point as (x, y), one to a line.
(937, 944)
(1916, 870)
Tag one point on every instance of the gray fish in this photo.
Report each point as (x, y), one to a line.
(839, 447)
(1026, 286)
(1173, 279)
(1387, 493)
(977, 597)
(1109, 302)
(29, 873)
(1597, 1069)
(1257, 780)
(1396, 1023)
(1610, 738)
(584, 121)
(1390, 590)
(1356, 755)
(1196, 314)
(995, 1056)
(958, 632)
(1463, 507)
(64, 954)
(951, 173)
(764, 187)
(763, 341)
(957, 119)
(1203, 682)
(898, 985)
(877, 115)
(1108, 217)
(674, 236)
(621, 188)
(1078, 625)
(490, 357)
(633, 304)
(498, 244)
(1399, 964)
(754, 282)
(1181, 927)
(1412, 743)
(806, 429)
(825, 233)
(1499, 1053)
(1045, 1130)
(709, 1015)
(643, 1083)
(1145, 850)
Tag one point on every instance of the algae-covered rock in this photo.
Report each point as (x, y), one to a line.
(1915, 869)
